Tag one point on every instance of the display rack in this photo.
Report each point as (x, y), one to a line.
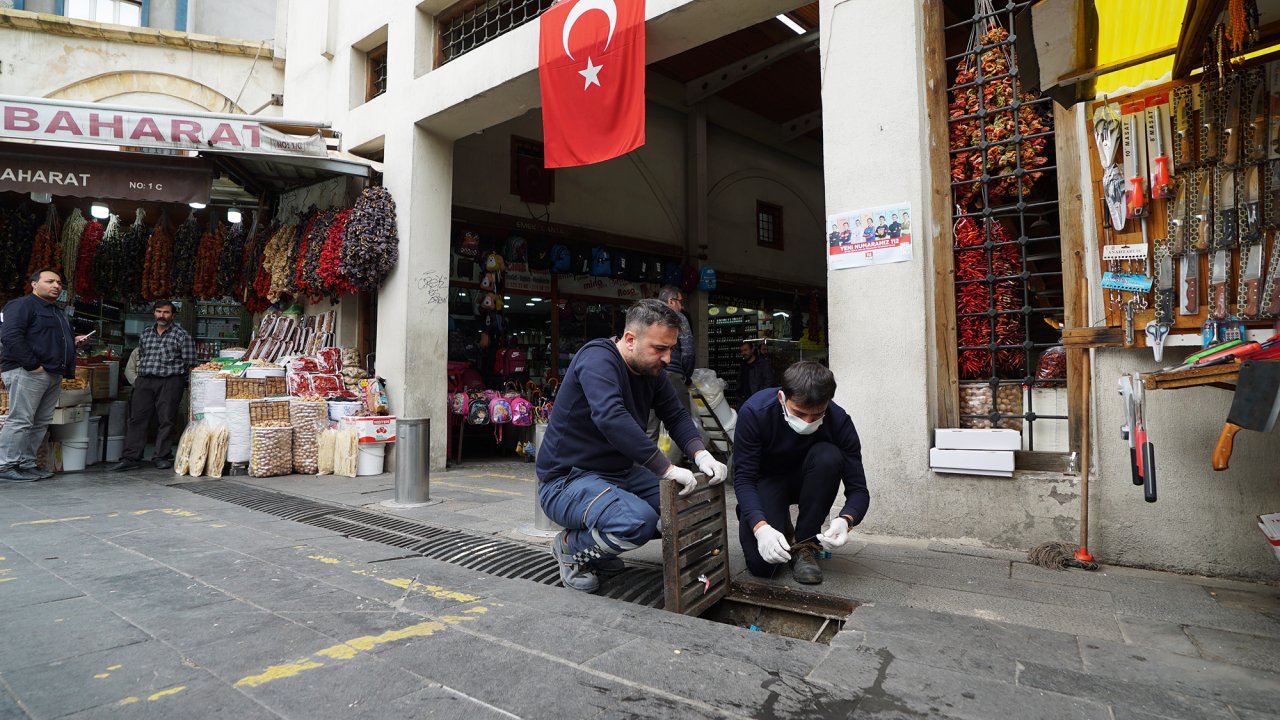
(725, 336)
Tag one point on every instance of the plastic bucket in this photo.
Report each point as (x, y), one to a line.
(371, 459)
(115, 446)
(116, 418)
(71, 431)
(339, 409)
(95, 441)
(74, 453)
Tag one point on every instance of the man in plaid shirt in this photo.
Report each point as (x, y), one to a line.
(166, 353)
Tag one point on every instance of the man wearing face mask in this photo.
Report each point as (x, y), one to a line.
(598, 470)
(795, 446)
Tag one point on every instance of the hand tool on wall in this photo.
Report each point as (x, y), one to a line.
(1158, 329)
(1161, 185)
(1202, 219)
(1129, 431)
(1113, 193)
(1208, 124)
(1255, 406)
(1251, 279)
(1271, 287)
(1106, 132)
(1146, 450)
(1182, 130)
(1178, 220)
(1231, 126)
(1258, 120)
(1219, 271)
(1218, 281)
(1135, 193)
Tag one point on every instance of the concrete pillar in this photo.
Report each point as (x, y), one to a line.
(413, 309)
(875, 152)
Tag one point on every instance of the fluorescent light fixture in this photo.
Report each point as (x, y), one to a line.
(506, 297)
(462, 294)
(795, 26)
(536, 299)
(234, 216)
(196, 206)
(781, 314)
(529, 304)
(41, 197)
(100, 210)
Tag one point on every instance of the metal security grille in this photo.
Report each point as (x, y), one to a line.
(1008, 258)
(473, 25)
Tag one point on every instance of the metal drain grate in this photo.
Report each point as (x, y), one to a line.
(641, 585)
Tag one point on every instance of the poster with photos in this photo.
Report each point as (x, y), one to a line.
(872, 236)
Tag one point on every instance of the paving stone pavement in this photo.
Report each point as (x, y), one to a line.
(127, 596)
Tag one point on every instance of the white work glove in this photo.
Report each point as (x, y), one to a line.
(772, 545)
(715, 470)
(836, 535)
(686, 479)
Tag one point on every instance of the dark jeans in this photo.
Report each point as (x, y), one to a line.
(153, 397)
(814, 490)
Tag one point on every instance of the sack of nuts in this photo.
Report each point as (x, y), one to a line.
(308, 420)
(272, 452)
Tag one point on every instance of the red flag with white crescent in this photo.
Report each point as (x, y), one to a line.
(591, 71)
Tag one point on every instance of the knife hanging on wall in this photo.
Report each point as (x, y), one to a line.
(1231, 125)
(1258, 118)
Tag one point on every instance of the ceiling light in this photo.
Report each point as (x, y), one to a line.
(529, 304)
(196, 206)
(506, 297)
(100, 210)
(41, 197)
(781, 314)
(536, 299)
(795, 26)
(234, 216)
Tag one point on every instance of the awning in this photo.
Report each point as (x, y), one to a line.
(260, 173)
(84, 173)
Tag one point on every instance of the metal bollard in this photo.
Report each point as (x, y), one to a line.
(413, 463)
(542, 526)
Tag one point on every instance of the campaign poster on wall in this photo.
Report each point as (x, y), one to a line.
(872, 236)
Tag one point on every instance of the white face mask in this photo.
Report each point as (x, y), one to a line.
(801, 427)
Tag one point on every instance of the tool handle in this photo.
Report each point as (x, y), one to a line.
(1185, 158)
(1176, 241)
(1218, 301)
(1252, 295)
(1209, 151)
(1149, 479)
(1274, 307)
(1205, 226)
(1232, 154)
(1192, 358)
(1222, 449)
(1133, 465)
(1140, 439)
(1160, 185)
(1135, 198)
(1258, 131)
(1238, 352)
(1229, 226)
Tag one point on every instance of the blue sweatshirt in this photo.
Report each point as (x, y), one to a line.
(765, 446)
(600, 415)
(36, 334)
(682, 354)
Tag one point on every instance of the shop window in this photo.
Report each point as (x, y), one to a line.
(117, 12)
(531, 180)
(376, 80)
(1009, 302)
(472, 24)
(768, 225)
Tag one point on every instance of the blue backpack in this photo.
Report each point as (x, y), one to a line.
(601, 263)
(707, 278)
(561, 259)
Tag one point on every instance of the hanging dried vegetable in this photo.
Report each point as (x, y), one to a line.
(106, 262)
(229, 265)
(330, 271)
(999, 124)
(306, 274)
(20, 233)
(298, 254)
(251, 268)
(89, 243)
(978, 290)
(371, 246)
(155, 271)
(133, 256)
(72, 231)
(45, 252)
(182, 267)
(204, 285)
(275, 263)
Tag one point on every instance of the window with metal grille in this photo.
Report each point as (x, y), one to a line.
(376, 60)
(1008, 256)
(768, 225)
(473, 24)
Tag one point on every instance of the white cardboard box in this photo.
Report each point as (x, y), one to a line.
(977, 439)
(972, 462)
(381, 428)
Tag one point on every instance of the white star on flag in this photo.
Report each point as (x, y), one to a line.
(591, 75)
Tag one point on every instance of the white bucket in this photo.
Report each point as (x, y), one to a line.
(339, 409)
(117, 418)
(74, 453)
(115, 446)
(71, 431)
(258, 371)
(371, 459)
(95, 441)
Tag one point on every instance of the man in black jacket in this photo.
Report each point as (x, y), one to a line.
(754, 374)
(39, 350)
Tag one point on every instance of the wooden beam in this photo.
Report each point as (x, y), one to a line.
(1197, 22)
(1081, 75)
(947, 392)
(722, 77)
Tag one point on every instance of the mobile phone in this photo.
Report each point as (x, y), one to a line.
(91, 332)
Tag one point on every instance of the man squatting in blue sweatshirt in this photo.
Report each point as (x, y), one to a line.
(793, 446)
(598, 471)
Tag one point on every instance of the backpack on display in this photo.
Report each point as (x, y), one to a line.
(499, 411)
(688, 278)
(581, 262)
(470, 245)
(521, 412)
(516, 253)
(561, 259)
(539, 255)
(510, 361)
(458, 402)
(478, 410)
(671, 273)
(601, 262)
(707, 278)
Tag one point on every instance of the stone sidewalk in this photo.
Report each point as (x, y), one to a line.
(124, 596)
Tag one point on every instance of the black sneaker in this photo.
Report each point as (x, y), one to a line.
(804, 565)
(163, 463)
(17, 475)
(608, 566)
(40, 474)
(124, 465)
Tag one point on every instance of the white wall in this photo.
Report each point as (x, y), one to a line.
(241, 19)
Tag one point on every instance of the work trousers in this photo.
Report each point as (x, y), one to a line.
(655, 425)
(32, 399)
(813, 489)
(604, 514)
(156, 397)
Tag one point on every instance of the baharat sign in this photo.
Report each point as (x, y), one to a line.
(94, 174)
(40, 120)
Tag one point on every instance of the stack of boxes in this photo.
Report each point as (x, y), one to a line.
(974, 452)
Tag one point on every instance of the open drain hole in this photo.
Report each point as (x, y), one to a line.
(780, 610)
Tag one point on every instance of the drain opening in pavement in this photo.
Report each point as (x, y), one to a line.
(768, 608)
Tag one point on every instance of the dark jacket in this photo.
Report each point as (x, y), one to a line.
(37, 334)
(682, 354)
(765, 446)
(753, 377)
(601, 411)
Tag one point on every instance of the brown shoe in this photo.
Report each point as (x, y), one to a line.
(804, 565)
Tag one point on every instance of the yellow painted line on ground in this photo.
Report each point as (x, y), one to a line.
(114, 667)
(5, 571)
(100, 676)
(325, 560)
(217, 525)
(50, 521)
(498, 475)
(176, 512)
(463, 486)
(434, 591)
(3, 557)
(154, 696)
(5, 580)
(275, 672)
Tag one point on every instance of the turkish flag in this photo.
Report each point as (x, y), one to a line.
(591, 71)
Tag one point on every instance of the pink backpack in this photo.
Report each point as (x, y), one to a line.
(521, 412)
(458, 403)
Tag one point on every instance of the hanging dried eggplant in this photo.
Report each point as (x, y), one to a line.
(371, 246)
